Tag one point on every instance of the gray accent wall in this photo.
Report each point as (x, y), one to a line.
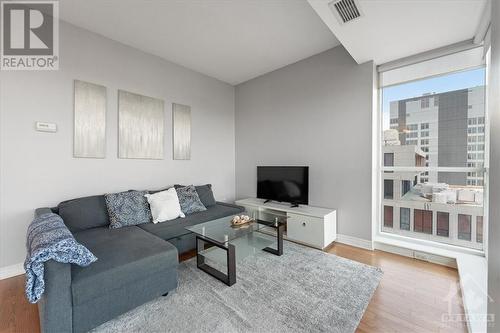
(38, 169)
(316, 112)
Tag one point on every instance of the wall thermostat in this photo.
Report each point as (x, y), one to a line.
(45, 127)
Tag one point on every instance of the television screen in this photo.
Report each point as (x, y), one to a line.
(283, 183)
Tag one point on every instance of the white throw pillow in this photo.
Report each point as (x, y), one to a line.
(164, 205)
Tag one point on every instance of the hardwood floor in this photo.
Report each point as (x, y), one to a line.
(412, 296)
(16, 313)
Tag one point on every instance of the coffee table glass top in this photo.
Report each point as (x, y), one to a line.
(246, 239)
(221, 230)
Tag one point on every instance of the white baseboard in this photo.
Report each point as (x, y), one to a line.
(355, 241)
(12, 270)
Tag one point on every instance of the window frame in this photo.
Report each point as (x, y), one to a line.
(378, 231)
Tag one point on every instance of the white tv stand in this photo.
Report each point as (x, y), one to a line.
(312, 226)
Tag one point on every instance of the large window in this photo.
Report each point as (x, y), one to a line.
(433, 156)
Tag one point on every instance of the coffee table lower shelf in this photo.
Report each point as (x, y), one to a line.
(246, 244)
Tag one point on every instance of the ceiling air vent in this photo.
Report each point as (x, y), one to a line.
(345, 10)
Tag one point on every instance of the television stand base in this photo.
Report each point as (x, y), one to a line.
(308, 225)
(292, 205)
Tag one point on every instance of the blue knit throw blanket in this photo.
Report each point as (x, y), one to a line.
(49, 238)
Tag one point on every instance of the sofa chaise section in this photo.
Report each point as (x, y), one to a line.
(135, 264)
(133, 267)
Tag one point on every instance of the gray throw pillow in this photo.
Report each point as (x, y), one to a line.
(205, 193)
(127, 208)
(189, 200)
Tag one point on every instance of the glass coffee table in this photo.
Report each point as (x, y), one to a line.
(219, 242)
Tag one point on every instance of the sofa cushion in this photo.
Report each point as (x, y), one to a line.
(84, 213)
(189, 200)
(176, 228)
(127, 208)
(205, 193)
(126, 255)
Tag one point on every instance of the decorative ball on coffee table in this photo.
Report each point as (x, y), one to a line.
(240, 219)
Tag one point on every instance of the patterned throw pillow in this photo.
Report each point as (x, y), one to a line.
(205, 193)
(127, 208)
(189, 200)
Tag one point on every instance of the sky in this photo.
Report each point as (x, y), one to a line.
(450, 82)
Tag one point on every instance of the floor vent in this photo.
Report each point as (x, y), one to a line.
(345, 10)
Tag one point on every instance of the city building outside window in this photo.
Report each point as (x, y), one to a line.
(422, 221)
(437, 155)
(464, 227)
(388, 216)
(479, 229)
(389, 159)
(405, 186)
(443, 224)
(388, 188)
(404, 220)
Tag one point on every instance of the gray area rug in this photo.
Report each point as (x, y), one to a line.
(305, 290)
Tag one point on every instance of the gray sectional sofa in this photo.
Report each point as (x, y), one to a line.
(135, 264)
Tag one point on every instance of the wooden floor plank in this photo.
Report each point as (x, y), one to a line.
(412, 296)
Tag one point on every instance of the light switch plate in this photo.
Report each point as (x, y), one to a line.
(45, 127)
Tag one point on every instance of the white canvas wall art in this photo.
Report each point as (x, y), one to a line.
(141, 126)
(181, 120)
(89, 138)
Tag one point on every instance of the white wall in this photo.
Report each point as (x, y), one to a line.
(494, 172)
(37, 169)
(316, 112)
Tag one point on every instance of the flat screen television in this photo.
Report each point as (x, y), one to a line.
(284, 184)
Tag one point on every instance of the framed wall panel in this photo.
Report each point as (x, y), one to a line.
(140, 126)
(181, 122)
(89, 120)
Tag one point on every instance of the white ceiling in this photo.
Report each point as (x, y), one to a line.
(393, 29)
(231, 40)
